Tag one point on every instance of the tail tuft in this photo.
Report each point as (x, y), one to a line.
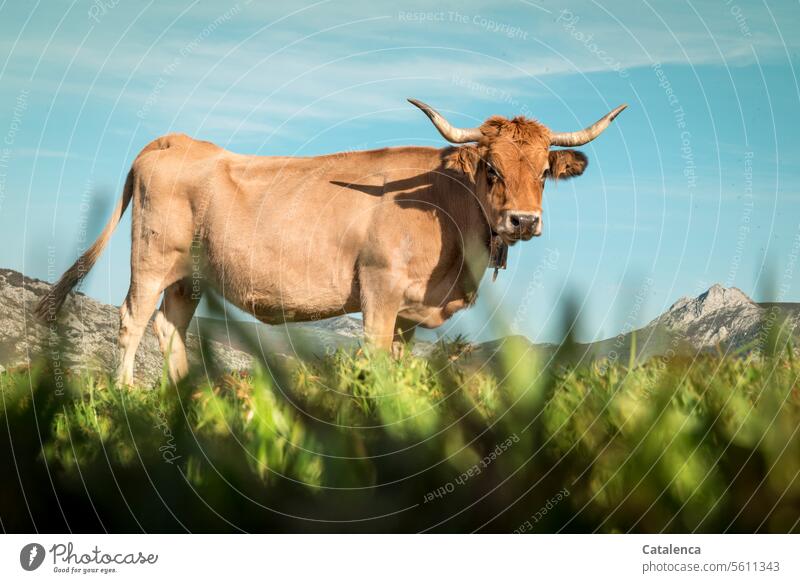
(48, 307)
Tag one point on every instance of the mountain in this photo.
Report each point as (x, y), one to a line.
(718, 316)
(718, 319)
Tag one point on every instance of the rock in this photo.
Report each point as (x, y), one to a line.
(84, 337)
(345, 326)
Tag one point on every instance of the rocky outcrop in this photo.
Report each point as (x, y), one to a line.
(84, 337)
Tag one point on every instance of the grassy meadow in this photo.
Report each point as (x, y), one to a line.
(359, 442)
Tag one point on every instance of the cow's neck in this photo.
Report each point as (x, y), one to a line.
(477, 247)
(492, 251)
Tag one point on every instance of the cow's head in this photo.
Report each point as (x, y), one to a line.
(509, 162)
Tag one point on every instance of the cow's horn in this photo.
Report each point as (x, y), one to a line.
(582, 137)
(450, 133)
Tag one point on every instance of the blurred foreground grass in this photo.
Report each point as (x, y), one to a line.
(360, 442)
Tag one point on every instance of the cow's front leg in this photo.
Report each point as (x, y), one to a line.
(403, 335)
(379, 322)
(380, 302)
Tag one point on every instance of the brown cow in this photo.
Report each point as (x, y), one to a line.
(400, 234)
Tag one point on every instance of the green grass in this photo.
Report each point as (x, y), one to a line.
(360, 442)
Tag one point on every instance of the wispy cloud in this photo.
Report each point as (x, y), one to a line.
(344, 56)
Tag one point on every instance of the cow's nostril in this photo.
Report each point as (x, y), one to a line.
(515, 221)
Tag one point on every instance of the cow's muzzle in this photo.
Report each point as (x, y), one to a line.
(519, 225)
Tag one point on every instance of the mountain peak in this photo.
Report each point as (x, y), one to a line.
(717, 315)
(717, 297)
(713, 299)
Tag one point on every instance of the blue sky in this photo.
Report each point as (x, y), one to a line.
(697, 182)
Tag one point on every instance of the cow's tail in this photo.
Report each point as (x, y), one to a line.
(49, 305)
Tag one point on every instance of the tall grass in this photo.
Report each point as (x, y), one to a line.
(362, 442)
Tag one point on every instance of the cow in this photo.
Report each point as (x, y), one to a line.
(402, 235)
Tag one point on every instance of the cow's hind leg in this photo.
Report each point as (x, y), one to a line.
(171, 323)
(135, 312)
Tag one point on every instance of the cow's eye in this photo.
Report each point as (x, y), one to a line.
(492, 174)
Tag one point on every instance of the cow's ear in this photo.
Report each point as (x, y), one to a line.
(462, 159)
(566, 164)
